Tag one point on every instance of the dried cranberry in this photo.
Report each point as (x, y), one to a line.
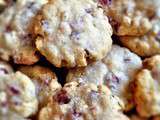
(14, 90)
(76, 114)
(10, 2)
(8, 28)
(127, 59)
(75, 35)
(105, 2)
(115, 78)
(3, 71)
(4, 104)
(89, 10)
(62, 97)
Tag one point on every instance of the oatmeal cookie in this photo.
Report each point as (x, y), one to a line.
(72, 31)
(146, 45)
(147, 88)
(17, 96)
(127, 17)
(16, 32)
(116, 70)
(78, 101)
(45, 82)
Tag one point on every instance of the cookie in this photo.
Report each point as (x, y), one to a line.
(17, 96)
(137, 117)
(147, 88)
(5, 68)
(156, 118)
(78, 101)
(116, 70)
(146, 45)
(16, 32)
(71, 32)
(127, 17)
(45, 82)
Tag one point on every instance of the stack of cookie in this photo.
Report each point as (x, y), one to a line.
(79, 60)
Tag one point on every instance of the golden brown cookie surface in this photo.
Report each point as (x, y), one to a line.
(147, 87)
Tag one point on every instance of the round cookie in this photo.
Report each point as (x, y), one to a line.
(116, 70)
(72, 31)
(45, 82)
(146, 45)
(147, 88)
(5, 68)
(16, 32)
(127, 17)
(17, 96)
(78, 101)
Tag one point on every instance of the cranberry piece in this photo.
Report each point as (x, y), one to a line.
(105, 2)
(62, 97)
(3, 71)
(76, 114)
(47, 81)
(10, 2)
(89, 10)
(127, 59)
(115, 78)
(14, 90)
(75, 35)
(8, 28)
(4, 104)
(115, 24)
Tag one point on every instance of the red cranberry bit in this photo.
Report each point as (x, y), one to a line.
(3, 71)
(75, 35)
(127, 59)
(89, 10)
(115, 79)
(105, 2)
(4, 104)
(8, 28)
(14, 90)
(115, 24)
(62, 97)
(10, 2)
(47, 81)
(76, 114)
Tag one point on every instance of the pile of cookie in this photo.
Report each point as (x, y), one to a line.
(79, 60)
